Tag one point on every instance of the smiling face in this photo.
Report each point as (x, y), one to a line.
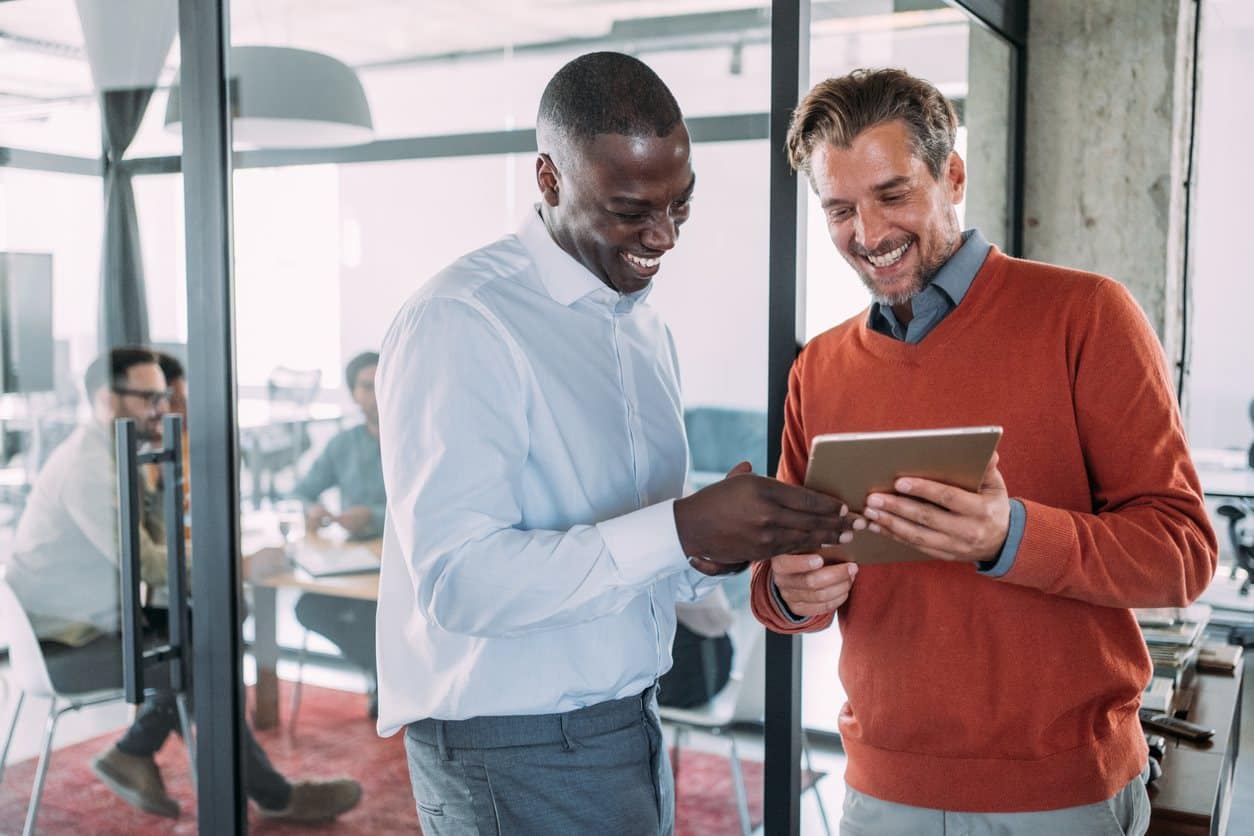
(144, 397)
(363, 394)
(890, 218)
(615, 203)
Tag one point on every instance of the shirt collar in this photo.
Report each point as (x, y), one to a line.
(565, 279)
(955, 276)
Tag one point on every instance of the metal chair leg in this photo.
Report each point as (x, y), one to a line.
(818, 796)
(738, 778)
(300, 676)
(189, 741)
(45, 754)
(8, 740)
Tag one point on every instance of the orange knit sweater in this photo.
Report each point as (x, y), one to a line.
(969, 693)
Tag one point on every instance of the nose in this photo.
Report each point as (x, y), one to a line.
(870, 229)
(661, 234)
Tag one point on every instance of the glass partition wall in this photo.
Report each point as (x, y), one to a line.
(328, 234)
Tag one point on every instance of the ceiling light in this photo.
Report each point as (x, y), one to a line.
(289, 98)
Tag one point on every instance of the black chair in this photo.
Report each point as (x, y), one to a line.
(268, 450)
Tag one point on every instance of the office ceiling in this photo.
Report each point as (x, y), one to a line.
(42, 56)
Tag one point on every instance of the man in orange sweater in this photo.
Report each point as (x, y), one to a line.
(994, 688)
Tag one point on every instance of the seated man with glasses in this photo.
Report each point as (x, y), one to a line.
(65, 571)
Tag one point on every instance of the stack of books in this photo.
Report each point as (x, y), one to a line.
(1173, 636)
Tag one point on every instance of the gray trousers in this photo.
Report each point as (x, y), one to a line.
(600, 769)
(1126, 813)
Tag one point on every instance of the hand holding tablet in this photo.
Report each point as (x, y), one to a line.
(922, 493)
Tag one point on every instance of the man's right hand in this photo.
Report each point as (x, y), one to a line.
(808, 587)
(746, 517)
(316, 517)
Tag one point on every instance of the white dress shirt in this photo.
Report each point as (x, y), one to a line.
(533, 444)
(64, 567)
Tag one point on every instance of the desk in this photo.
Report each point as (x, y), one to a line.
(265, 618)
(1225, 474)
(1194, 794)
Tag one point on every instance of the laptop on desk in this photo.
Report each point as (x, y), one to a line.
(331, 560)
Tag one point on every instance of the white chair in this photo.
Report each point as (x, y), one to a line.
(742, 699)
(30, 675)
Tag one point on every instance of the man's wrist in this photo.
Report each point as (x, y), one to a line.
(713, 568)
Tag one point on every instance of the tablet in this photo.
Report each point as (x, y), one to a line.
(849, 466)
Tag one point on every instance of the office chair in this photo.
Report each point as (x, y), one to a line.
(742, 699)
(1241, 540)
(270, 449)
(30, 675)
(719, 438)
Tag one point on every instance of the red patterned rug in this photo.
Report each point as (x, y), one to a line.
(333, 737)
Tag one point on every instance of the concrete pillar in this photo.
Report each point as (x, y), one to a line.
(1109, 97)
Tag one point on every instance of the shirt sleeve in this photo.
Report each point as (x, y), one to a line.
(1001, 564)
(451, 389)
(320, 478)
(1147, 540)
(92, 503)
(764, 597)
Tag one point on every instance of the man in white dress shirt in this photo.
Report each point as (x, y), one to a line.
(533, 452)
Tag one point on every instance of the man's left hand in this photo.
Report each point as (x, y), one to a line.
(355, 520)
(950, 524)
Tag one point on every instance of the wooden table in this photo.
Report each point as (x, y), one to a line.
(265, 587)
(1194, 794)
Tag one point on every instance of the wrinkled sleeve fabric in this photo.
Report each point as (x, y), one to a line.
(320, 478)
(453, 400)
(1147, 541)
(764, 598)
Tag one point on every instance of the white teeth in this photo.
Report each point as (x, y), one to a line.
(889, 258)
(643, 262)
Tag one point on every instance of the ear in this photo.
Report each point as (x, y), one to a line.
(956, 177)
(547, 178)
(105, 402)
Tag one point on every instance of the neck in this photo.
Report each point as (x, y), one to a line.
(372, 427)
(904, 312)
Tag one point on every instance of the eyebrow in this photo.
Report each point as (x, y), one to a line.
(880, 188)
(638, 203)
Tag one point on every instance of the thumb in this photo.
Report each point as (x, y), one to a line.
(992, 480)
(743, 467)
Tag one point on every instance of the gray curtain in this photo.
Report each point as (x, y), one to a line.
(123, 297)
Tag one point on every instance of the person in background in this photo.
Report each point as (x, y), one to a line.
(994, 688)
(350, 463)
(65, 571)
(176, 384)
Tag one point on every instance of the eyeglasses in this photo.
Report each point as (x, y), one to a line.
(154, 399)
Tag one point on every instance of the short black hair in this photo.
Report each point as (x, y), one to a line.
(111, 369)
(362, 361)
(608, 93)
(171, 367)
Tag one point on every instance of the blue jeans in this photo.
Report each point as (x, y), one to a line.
(600, 769)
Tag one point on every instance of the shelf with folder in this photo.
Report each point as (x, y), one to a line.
(1194, 793)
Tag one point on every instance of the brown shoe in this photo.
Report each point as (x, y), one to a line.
(317, 801)
(136, 780)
